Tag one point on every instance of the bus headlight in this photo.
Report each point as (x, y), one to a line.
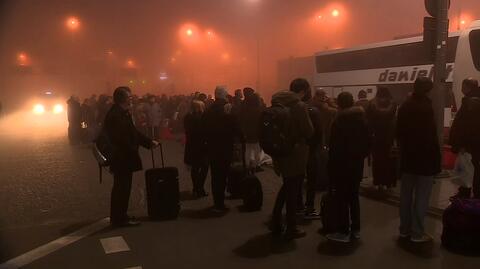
(38, 109)
(57, 109)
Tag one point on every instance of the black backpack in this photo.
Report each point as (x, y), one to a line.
(274, 135)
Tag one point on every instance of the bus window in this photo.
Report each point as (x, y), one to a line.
(475, 47)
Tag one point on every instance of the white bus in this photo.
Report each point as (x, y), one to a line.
(396, 64)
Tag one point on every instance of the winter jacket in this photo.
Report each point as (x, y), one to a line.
(221, 131)
(417, 137)
(125, 140)
(196, 145)
(465, 131)
(249, 118)
(349, 146)
(301, 130)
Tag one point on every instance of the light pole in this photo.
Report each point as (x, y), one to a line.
(72, 24)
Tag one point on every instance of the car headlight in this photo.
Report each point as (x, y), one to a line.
(57, 109)
(38, 109)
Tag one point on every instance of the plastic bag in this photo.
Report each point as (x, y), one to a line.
(464, 169)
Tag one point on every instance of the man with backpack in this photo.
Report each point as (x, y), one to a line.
(124, 140)
(286, 127)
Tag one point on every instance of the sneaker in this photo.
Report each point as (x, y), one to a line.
(220, 210)
(312, 215)
(294, 234)
(403, 235)
(356, 235)
(421, 239)
(276, 229)
(339, 237)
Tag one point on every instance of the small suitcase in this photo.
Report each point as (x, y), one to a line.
(252, 193)
(234, 181)
(329, 212)
(163, 192)
(461, 222)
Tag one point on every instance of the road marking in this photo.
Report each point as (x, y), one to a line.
(55, 245)
(114, 245)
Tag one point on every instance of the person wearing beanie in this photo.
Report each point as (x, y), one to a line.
(420, 159)
(221, 130)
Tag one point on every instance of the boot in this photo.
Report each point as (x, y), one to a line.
(463, 193)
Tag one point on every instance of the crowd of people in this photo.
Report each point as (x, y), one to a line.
(330, 141)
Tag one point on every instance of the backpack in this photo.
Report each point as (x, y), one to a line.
(274, 132)
(102, 151)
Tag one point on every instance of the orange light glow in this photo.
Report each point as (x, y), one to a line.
(225, 56)
(335, 13)
(73, 23)
(189, 32)
(130, 63)
(22, 59)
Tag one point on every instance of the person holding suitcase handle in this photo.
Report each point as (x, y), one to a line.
(125, 140)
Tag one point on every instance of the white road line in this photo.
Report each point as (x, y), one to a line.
(55, 245)
(114, 245)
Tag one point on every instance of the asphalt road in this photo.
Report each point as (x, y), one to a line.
(49, 188)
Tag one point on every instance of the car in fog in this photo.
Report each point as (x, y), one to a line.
(48, 103)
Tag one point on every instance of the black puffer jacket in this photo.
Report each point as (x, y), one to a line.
(349, 146)
(465, 131)
(221, 131)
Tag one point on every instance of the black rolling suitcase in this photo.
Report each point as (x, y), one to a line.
(163, 192)
(252, 193)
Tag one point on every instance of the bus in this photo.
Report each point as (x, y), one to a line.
(397, 64)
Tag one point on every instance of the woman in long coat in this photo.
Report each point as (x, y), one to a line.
(381, 114)
(195, 147)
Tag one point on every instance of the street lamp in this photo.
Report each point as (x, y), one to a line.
(22, 59)
(72, 23)
(335, 13)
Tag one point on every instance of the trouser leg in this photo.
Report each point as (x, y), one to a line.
(423, 191)
(202, 177)
(355, 207)
(292, 186)
(278, 207)
(195, 177)
(122, 185)
(219, 182)
(406, 202)
(312, 176)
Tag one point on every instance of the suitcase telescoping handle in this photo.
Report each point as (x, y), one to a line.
(161, 154)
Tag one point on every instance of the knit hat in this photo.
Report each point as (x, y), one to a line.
(221, 92)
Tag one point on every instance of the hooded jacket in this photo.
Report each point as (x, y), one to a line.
(465, 131)
(301, 130)
(349, 146)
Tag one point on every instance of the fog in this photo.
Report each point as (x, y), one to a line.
(177, 47)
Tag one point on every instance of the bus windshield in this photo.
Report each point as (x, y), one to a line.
(475, 47)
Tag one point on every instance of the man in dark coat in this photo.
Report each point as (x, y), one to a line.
(349, 145)
(221, 129)
(465, 134)
(420, 159)
(125, 140)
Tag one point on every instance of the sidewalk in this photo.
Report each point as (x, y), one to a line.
(201, 239)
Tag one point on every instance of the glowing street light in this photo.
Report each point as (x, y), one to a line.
(130, 63)
(22, 59)
(189, 32)
(72, 23)
(335, 13)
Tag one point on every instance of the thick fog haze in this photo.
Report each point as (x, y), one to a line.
(182, 46)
